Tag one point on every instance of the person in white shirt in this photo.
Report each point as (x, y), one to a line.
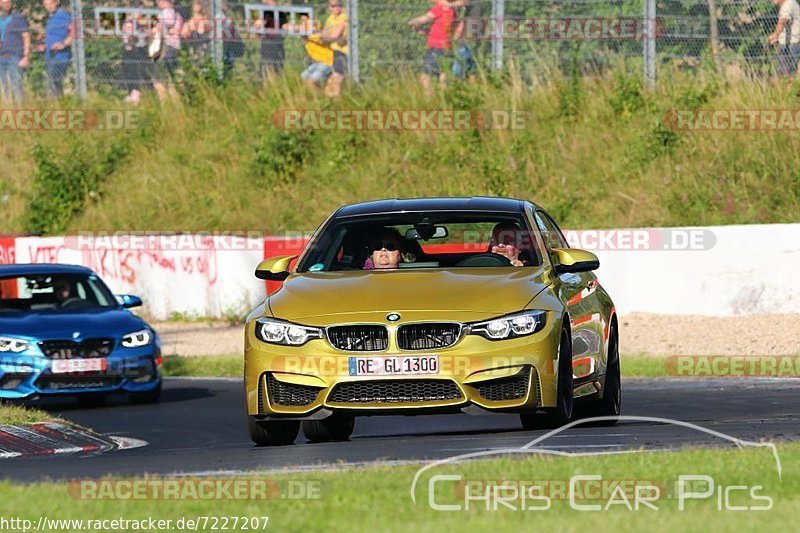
(787, 36)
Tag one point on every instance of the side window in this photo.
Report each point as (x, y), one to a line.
(550, 232)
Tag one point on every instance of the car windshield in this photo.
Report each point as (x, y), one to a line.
(54, 292)
(422, 240)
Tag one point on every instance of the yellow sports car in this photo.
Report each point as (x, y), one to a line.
(437, 305)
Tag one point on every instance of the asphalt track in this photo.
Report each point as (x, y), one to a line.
(199, 428)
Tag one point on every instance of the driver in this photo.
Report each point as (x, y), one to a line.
(62, 291)
(385, 250)
(505, 242)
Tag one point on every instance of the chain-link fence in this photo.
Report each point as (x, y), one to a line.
(537, 39)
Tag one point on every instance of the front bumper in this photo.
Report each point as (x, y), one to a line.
(129, 370)
(475, 374)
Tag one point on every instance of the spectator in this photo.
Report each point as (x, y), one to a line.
(273, 52)
(196, 33)
(136, 65)
(15, 51)
(232, 44)
(440, 18)
(169, 28)
(334, 36)
(464, 65)
(787, 36)
(58, 35)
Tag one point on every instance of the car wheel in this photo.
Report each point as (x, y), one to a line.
(337, 427)
(272, 432)
(151, 396)
(611, 402)
(562, 413)
(92, 399)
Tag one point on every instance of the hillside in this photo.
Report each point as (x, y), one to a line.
(596, 153)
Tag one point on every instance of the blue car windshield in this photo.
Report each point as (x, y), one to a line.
(51, 292)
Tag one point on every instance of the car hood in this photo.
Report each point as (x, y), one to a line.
(475, 291)
(45, 325)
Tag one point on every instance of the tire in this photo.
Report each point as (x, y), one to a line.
(562, 413)
(337, 427)
(611, 402)
(146, 397)
(272, 432)
(92, 399)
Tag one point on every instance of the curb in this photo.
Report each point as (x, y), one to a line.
(57, 438)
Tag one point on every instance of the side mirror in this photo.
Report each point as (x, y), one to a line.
(128, 300)
(275, 268)
(574, 260)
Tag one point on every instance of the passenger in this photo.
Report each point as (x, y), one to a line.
(386, 251)
(506, 242)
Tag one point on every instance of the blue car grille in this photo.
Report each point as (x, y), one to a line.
(69, 349)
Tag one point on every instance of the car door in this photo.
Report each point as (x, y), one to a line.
(579, 292)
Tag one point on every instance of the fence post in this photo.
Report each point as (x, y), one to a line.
(218, 37)
(498, 14)
(353, 59)
(78, 50)
(649, 43)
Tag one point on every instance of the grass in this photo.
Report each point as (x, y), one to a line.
(203, 366)
(378, 498)
(14, 415)
(596, 152)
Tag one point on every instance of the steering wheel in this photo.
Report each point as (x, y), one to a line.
(73, 303)
(485, 260)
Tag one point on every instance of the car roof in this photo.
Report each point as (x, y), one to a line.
(395, 205)
(41, 269)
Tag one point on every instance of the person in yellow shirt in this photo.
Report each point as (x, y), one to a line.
(334, 36)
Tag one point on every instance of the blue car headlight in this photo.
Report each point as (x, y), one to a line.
(510, 326)
(12, 345)
(285, 333)
(137, 339)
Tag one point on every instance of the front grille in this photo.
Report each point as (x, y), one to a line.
(427, 336)
(395, 391)
(359, 338)
(508, 388)
(49, 382)
(69, 349)
(289, 394)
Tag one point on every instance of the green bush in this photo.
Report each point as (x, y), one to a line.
(64, 183)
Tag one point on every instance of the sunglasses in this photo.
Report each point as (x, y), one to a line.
(390, 246)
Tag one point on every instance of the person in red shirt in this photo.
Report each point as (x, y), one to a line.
(441, 20)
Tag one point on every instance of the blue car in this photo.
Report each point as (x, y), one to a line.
(62, 331)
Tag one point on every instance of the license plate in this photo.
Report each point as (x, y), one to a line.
(400, 365)
(68, 366)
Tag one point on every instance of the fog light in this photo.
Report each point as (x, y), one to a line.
(12, 381)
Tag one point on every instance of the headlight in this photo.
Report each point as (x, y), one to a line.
(137, 339)
(511, 326)
(8, 344)
(277, 332)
